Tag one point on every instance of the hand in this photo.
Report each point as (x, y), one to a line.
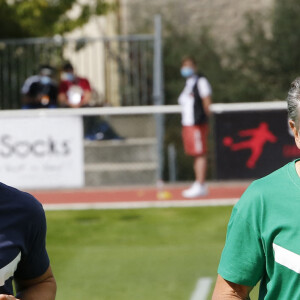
(7, 297)
(37, 100)
(73, 106)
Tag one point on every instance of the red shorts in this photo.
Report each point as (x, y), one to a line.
(194, 139)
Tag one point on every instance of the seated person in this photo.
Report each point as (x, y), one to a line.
(40, 91)
(74, 91)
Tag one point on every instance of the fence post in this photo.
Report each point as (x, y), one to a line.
(172, 162)
(158, 94)
(157, 63)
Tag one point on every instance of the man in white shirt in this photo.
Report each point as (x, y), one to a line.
(195, 100)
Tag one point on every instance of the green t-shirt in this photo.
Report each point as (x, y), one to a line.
(263, 237)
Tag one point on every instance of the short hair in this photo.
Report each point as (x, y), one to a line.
(68, 66)
(188, 58)
(293, 101)
(46, 70)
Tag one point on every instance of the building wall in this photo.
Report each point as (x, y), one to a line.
(91, 61)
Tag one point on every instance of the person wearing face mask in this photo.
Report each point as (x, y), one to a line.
(40, 91)
(195, 100)
(74, 91)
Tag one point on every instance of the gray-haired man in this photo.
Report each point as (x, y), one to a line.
(263, 238)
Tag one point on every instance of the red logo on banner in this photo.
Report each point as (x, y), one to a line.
(258, 138)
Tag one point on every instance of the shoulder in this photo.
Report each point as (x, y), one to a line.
(261, 191)
(32, 79)
(203, 81)
(204, 86)
(29, 82)
(84, 80)
(84, 83)
(19, 201)
(279, 175)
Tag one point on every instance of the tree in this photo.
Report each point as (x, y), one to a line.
(260, 66)
(269, 59)
(286, 42)
(203, 49)
(34, 18)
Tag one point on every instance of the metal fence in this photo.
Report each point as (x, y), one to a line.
(119, 68)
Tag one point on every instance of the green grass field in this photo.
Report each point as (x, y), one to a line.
(135, 254)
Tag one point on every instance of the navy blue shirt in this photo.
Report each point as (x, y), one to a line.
(23, 252)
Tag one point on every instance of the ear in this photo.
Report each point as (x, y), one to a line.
(295, 132)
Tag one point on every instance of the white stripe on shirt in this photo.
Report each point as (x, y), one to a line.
(8, 271)
(287, 258)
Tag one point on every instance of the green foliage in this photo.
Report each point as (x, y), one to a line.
(202, 48)
(229, 84)
(250, 62)
(260, 66)
(286, 41)
(9, 26)
(269, 59)
(45, 17)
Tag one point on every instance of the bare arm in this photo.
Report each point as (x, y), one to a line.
(42, 287)
(26, 99)
(7, 297)
(226, 290)
(87, 95)
(206, 105)
(62, 99)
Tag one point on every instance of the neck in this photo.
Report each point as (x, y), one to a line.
(297, 165)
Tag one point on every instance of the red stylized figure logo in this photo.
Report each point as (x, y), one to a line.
(259, 137)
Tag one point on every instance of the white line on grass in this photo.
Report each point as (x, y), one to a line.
(202, 289)
(141, 204)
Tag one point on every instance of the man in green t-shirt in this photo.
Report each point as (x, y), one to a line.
(263, 237)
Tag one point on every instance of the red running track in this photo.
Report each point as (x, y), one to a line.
(136, 194)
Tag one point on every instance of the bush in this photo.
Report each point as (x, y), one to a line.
(260, 66)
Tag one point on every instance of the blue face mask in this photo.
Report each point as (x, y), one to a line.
(45, 80)
(68, 76)
(187, 72)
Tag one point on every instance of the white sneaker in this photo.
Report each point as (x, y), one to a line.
(196, 190)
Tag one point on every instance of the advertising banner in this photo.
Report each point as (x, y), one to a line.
(252, 144)
(42, 152)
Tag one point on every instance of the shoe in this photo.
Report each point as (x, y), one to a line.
(196, 190)
(102, 131)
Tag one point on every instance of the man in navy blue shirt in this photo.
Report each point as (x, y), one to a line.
(40, 91)
(23, 255)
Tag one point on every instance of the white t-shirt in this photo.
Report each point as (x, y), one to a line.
(186, 98)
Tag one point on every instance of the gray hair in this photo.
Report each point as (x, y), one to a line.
(293, 101)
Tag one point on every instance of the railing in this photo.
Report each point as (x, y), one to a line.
(119, 68)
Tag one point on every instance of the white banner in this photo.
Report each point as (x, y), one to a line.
(41, 152)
